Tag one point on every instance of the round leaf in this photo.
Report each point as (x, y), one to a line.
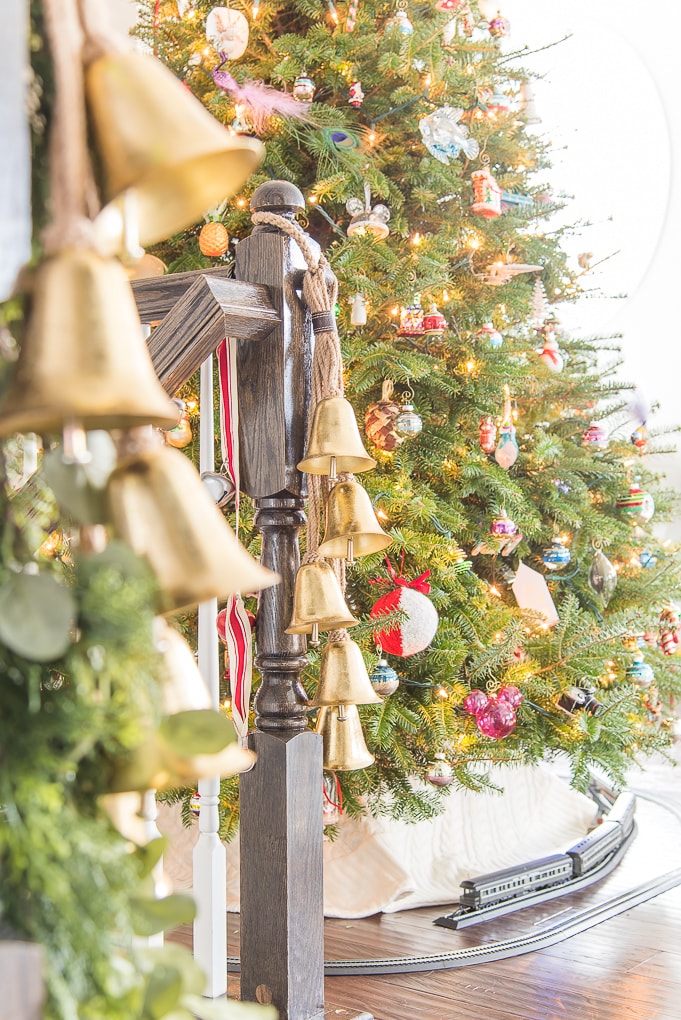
(37, 615)
(202, 731)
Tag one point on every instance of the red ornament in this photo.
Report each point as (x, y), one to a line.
(220, 623)
(511, 694)
(434, 322)
(356, 97)
(488, 434)
(418, 629)
(486, 194)
(497, 719)
(596, 436)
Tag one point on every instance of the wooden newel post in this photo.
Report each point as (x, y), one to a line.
(282, 914)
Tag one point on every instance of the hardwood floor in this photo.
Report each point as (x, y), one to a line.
(626, 968)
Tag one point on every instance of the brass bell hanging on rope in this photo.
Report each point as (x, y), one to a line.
(154, 136)
(344, 747)
(352, 528)
(334, 443)
(318, 602)
(161, 508)
(83, 357)
(343, 677)
(183, 689)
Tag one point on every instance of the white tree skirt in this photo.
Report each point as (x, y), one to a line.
(381, 865)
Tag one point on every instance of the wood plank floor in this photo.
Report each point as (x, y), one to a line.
(626, 968)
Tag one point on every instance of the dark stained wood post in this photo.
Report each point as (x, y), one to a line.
(282, 913)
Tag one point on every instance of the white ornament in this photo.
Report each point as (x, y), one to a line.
(227, 32)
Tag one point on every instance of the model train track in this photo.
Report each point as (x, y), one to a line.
(563, 927)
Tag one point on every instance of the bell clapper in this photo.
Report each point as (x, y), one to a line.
(341, 714)
(350, 557)
(314, 635)
(74, 449)
(333, 476)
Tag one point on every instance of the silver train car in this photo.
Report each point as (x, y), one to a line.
(579, 860)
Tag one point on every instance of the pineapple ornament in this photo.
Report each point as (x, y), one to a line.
(380, 418)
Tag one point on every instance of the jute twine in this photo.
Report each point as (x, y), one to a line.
(320, 292)
(73, 196)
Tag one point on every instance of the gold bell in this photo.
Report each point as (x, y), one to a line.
(161, 508)
(183, 689)
(154, 136)
(343, 739)
(334, 443)
(351, 525)
(83, 357)
(343, 677)
(318, 602)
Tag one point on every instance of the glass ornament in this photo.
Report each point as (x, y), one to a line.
(213, 239)
(358, 310)
(602, 576)
(556, 555)
(195, 804)
(408, 423)
(647, 559)
(637, 505)
(498, 103)
(498, 26)
(303, 89)
(440, 772)
(384, 679)
(506, 453)
(411, 320)
(639, 438)
(434, 322)
(445, 137)
(502, 525)
(596, 436)
(356, 95)
(475, 701)
(450, 6)
(562, 487)
(400, 23)
(180, 435)
(581, 696)
(490, 333)
(550, 355)
(486, 194)
(511, 694)
(640, 672)
(487, 434)
(497, 719)
(366, 220)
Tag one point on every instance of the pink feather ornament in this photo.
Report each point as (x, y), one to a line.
(260, 102)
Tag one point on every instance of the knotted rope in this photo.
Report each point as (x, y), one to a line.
(73, 197)
(320, 292)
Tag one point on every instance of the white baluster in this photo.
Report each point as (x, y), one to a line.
(209, 860)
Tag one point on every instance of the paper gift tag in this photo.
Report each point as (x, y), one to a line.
(532, 592)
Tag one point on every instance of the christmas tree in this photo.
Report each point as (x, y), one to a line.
(96, 702)
(510, 459)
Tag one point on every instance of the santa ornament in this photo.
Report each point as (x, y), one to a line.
(418, 628)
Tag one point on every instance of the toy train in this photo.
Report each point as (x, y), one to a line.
(586, 855)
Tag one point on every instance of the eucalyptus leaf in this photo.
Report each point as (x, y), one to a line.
(37, 616)
(202, 731)
(151, 853)
(163, 992)
(152, 916)
(74, 491)
(173, 955)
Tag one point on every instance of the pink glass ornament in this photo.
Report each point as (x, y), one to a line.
(511, 694)
(475, 702)
(497, 719)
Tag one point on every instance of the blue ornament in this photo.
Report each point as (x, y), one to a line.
(556, 555)
(384, 679)
(640, 672)
(647, 559)
(562, 487)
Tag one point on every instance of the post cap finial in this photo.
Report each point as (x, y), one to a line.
(277, 196)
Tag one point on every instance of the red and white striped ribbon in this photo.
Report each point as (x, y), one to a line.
(237, 625)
